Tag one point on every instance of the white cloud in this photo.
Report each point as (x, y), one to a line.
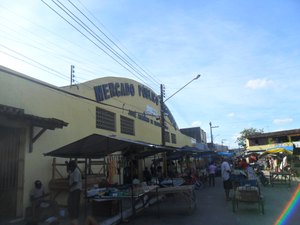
(196, 124)
(282, 121)
(231, 114)
(259, 83)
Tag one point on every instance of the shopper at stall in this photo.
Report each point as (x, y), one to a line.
(37, 198)
(211, 174)
(283, 164)
(75, 186)
(147, 175)
(226, 171)
(250, 173)
(243, 164)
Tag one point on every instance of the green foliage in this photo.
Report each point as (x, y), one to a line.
(241, 140)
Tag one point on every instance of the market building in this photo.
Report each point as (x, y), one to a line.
(37, 117)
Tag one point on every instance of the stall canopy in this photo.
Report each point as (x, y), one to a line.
(226, 154)
(276, 150)
(196, 152)
(98, 146)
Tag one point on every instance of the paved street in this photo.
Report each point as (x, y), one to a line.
(214, 210)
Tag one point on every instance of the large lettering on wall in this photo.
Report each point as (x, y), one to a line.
(107, 91)
(115, 89)
(118, 89)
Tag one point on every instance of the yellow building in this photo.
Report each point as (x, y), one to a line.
(36, 117)
(285, 139)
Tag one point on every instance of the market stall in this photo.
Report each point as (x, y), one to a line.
(283, 177)
(134, 195)
(185, 192)
(98, 147)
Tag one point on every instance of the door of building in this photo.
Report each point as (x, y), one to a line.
(9, 161)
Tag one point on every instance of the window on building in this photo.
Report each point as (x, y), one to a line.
(173, 138)
(167, 136)
(280, 139)
(258, 141)
(295, 138)
(105, 119)
(127, 126)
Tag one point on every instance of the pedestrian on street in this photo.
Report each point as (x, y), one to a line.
(226, 171)
(211, 174)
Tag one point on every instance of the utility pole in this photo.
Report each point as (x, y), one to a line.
(222, 142)
(72, 74)
(162, 115)
(211, 135)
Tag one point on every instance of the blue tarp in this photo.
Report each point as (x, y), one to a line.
(226, 154)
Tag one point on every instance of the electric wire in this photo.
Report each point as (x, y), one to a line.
(36, 62)
(95, 36)
(113, 42)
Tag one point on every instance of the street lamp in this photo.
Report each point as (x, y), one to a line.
(162, 107)
(162, 117)
(183, 87)
(211, 135)
(222, 143)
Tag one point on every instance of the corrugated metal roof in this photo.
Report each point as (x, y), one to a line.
(17, 114)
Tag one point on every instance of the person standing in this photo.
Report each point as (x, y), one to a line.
(211, 174)
(75, 186)
(226, 171)
(147, 175)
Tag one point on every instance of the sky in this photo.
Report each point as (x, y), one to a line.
(247, 52)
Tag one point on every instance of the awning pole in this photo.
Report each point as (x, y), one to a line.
(85, 188)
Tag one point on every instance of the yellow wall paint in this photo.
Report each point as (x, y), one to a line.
(80, 114)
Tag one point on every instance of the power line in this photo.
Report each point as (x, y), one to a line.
(34, 61)
(95, 36)
(44, 48)
(113, 42)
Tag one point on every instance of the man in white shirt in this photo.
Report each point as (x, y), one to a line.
(212, 172)
(75, 185)
(226, 171)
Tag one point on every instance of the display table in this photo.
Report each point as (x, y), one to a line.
(136, 195)
(187, 192)
(280, 178)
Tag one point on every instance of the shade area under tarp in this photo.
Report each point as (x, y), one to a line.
(98, 146)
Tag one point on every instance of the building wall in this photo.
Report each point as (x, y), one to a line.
(284, 139)
(196, 133)
(20, 91)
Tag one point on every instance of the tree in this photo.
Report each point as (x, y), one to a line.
(241, 140)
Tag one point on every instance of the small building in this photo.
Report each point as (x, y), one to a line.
(195, 132)
(286, 139)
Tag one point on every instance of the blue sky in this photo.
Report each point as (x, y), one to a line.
(247, 53)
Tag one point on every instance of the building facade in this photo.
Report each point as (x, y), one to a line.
(197, 133)
(287, 139)
(36, 117)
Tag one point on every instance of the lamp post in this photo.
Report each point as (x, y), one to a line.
(162, 107)
(162, 116)
(211, 135)
(222, 143)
